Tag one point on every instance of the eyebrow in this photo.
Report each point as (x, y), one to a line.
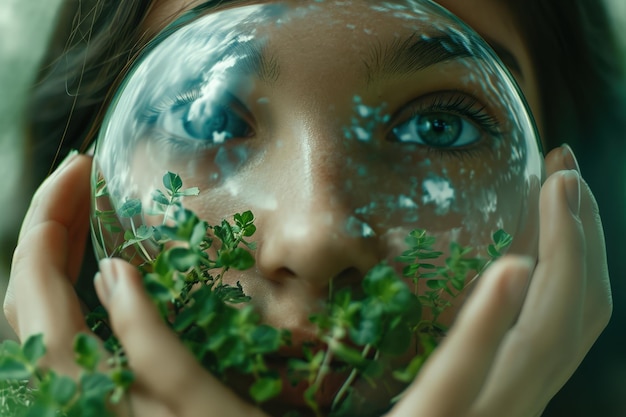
(254, 59)
(412, 54)
(416, 53)
(506, 56)
(400, 57)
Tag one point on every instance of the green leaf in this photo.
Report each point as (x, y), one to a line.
(378, 279)
(62, 389)
(34, 348)
(367, 331)
(87, 351)
(192, 191)
(96, 384)
(130, 208)
(249, 230)
(493, 252)
(183, 259)
(159, 197)
(11, 348)
(265, 389)
(231, 294)
(42, 410)
(242, 219)
(266, 339)
(13, 369)
(502, 239)
(172, 182)
(156, 289)
(144, 232)
(436, 284)
(122, 377)
(198, 234)
(239, 259)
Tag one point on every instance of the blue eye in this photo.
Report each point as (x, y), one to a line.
(209, 123)
(438, 130)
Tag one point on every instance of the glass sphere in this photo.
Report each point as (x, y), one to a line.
(342, 126)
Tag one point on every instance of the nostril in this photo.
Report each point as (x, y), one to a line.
(281, 274)
(349, 278)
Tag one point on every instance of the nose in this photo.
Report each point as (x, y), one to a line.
(313, 237)
(314, 246)
(305, 255)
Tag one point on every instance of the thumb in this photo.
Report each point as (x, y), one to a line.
(162, 365)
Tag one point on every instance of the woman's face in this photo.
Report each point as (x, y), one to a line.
(343, 133)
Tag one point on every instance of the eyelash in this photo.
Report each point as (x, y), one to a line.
(155, 110)
(454, 102)
(458, 103)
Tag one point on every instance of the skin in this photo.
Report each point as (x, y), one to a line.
(526, 326)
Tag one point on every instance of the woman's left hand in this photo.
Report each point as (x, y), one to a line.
(41, 300)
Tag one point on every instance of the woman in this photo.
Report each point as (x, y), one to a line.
(489, 373)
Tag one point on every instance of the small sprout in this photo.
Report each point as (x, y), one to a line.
(362, 329)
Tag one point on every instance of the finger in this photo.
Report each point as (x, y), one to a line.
(560, 159)
(40, 297)
(162, 365)
(598, 303)
(64, 198)
(540, 352)
(461, 364)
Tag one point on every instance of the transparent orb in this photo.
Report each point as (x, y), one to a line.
(342, 126)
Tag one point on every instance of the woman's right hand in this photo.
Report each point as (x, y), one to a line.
(526, 327)
(41, 299)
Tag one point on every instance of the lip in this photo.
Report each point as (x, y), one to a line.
(294, 394)
(291, 397)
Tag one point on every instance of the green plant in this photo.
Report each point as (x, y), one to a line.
(217, 323)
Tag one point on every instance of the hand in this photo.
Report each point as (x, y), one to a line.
(41, 299)
(512, 349)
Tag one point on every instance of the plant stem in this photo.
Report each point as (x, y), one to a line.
(139, 245)
(321, 374)
(167, 211)
(104, 248)
(349, 380)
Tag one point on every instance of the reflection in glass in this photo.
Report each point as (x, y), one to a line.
(338, 127)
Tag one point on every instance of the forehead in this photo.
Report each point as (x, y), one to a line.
(381, 29)
(489, 16)
(359, 41)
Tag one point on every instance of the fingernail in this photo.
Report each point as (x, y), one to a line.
(569, 159)
(572, 189)
(108, 275)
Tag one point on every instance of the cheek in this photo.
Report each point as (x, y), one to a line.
(530, 89)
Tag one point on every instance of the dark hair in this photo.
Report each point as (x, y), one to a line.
(581, 79)
(94, 40)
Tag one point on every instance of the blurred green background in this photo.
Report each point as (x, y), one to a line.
(598, 388)
(25, 27)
